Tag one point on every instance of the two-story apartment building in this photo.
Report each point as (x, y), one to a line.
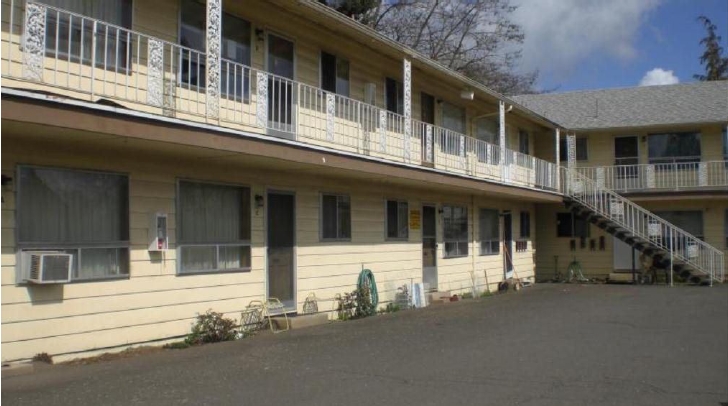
(179, 156)
(162, 158)
(664, 147)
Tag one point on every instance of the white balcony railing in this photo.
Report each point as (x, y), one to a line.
(87, 58)
(662, 176)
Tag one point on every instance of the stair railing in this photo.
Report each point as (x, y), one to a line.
(641, 223)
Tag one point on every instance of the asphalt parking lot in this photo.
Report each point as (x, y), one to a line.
(550, 344)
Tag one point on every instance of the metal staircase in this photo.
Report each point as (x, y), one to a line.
(669, 246)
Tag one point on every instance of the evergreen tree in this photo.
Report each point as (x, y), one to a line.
(716, 65)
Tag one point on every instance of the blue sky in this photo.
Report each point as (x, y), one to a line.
(590, 44)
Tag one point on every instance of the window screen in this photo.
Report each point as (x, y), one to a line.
(397, 219)
(455, 224)
(82, 213)
(214, 227)
(489, 232)
(335, 217)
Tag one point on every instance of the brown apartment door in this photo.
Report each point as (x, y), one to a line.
(281, 228)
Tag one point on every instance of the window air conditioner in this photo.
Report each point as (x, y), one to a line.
(47, 267)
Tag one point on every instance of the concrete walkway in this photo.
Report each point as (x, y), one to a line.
(548, 345)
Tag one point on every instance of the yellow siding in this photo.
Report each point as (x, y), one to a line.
(156, 304)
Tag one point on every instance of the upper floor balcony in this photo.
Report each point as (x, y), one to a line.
(213, 79)
(657, 177)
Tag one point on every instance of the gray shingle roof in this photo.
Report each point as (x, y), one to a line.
(701, 102)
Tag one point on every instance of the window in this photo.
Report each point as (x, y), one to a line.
(523, 142)
(213, 227)
(397, 220)
(455, 224)
(236, 48)
(487, 130)
(453, 119)
(82, 213)
(525, 224)
(674, 148)
(725, 227)
(334, 74)
(394, 96)
(690, 221)
(335, 217)
(581, 150)
(570, 226)
(72, 37)
(489, 232)
(725, 145)
(427, 108)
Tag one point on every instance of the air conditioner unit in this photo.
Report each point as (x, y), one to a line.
(47, 267)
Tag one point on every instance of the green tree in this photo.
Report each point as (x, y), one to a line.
(716, 65)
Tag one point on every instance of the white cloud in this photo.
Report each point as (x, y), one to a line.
(659, 76)
(562, 34)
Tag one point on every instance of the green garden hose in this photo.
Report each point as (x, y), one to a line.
(367, 295)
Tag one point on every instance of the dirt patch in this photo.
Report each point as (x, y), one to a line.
(110, 356)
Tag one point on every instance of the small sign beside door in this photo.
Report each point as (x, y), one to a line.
(414, 220)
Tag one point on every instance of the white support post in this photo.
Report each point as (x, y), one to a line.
(557, 139)
(407, 73)
(502, 132)
(212, 67)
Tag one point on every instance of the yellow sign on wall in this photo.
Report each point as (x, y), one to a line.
(414, 220)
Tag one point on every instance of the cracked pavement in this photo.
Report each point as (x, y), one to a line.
(550, 344)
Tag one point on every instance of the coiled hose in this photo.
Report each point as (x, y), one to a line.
(367, 286)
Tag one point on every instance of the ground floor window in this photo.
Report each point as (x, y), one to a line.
(82, 213)
(489, 232)
(335, 217)
(397, 216)
(725, 227)
(455, 225)
(571, 226)
(213, 227)
(690, 221)
(525, 224)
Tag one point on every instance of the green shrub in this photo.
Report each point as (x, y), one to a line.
(177, 345)
(211, 327)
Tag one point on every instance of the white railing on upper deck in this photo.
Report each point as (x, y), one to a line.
(660, 176)
(641, 223)
(85, 57)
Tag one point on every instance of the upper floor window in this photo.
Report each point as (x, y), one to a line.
(394, 95)
(523, 142)
(82, 213)
(725, 143)
(334, 74)
(235, 50)
(486, 129)
(214, 227)
(581, 150)
(72, 38)
(674, 148)
(455, 229)
(453, 119)
(335, 217)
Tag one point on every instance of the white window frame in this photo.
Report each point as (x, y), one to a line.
(337, 214)
(445, 241)
(120, 246)
(242, 243)
(490, 241)
(386, 220)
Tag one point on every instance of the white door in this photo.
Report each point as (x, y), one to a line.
(623, 256)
